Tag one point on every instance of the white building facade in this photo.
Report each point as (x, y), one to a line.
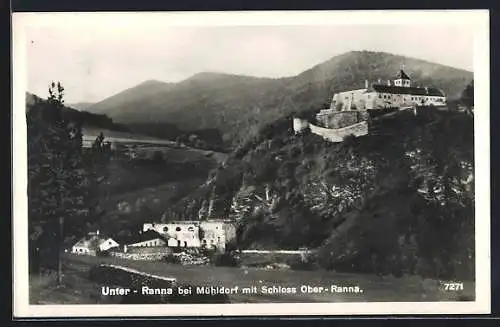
(211, 234)
(398, 93)
(179, 234)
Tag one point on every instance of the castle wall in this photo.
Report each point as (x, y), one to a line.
(147, 250)
(214, 235)
(341, 119)
(337, 135)
(230, 231)
(349, 100)
(299, 125)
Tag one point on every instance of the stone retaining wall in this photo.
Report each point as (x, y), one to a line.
(338, 135)
(158, 256)
(341, 119)
(330, 134)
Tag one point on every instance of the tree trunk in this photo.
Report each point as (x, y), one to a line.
(58, 249)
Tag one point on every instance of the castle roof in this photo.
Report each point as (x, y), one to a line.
(402, 75)
(420, 91)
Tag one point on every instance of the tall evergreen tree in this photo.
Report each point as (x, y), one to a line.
(62, 180)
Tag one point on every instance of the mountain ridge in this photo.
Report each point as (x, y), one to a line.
(238, 105)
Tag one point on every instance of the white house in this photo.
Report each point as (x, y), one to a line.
(93, 243)
(398, 93)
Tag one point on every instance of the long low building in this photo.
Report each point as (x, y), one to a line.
(398, 93)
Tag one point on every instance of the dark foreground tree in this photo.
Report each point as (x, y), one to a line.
(59, 185)
(467, 97)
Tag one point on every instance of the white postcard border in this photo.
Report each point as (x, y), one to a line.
(478, 19)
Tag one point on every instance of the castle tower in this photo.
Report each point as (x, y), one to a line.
(402, 79)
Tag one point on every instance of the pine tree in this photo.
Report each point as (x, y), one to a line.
(62, 181)
(467, 97)
(55, 170)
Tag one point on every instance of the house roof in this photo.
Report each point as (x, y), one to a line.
(430, 91)
(91, 241)
(402, 75)
(141, 237)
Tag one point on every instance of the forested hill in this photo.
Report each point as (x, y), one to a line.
(86, 118)
(237, 106)
(399, 200)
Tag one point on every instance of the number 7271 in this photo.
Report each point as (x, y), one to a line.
(453, 286)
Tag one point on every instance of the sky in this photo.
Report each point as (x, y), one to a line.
(96, 58)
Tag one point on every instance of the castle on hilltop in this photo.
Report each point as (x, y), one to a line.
(349, 110)
(393, 94)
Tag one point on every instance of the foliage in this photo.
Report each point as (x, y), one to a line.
(84, 117)
(158, 157)
(62, 179)
(170, 258)
(225, 259)
(398, 201)
(467, 96)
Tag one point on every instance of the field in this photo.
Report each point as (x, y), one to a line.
(148, 143)
(78, 289)
(140, 190)
(94, 132)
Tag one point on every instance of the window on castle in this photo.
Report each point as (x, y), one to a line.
(177, 229)
(380, 96)
(165, 229)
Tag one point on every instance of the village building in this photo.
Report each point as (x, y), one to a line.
(93, 243)
(148, 238)
(178, 234)
(393, 94)
(195, 234)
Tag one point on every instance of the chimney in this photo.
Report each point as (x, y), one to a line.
(366, 83)
(97, 232)
(388, 83)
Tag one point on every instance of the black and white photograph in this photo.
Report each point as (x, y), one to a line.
(251, 163)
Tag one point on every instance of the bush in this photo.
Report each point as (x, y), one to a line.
(158, 157)
(102, 253)
(298, 263)
(170, 258)
(226, 259)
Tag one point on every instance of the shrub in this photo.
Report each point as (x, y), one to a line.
(170, 258)
(297, 263)
(103, 253)
(226, 259)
